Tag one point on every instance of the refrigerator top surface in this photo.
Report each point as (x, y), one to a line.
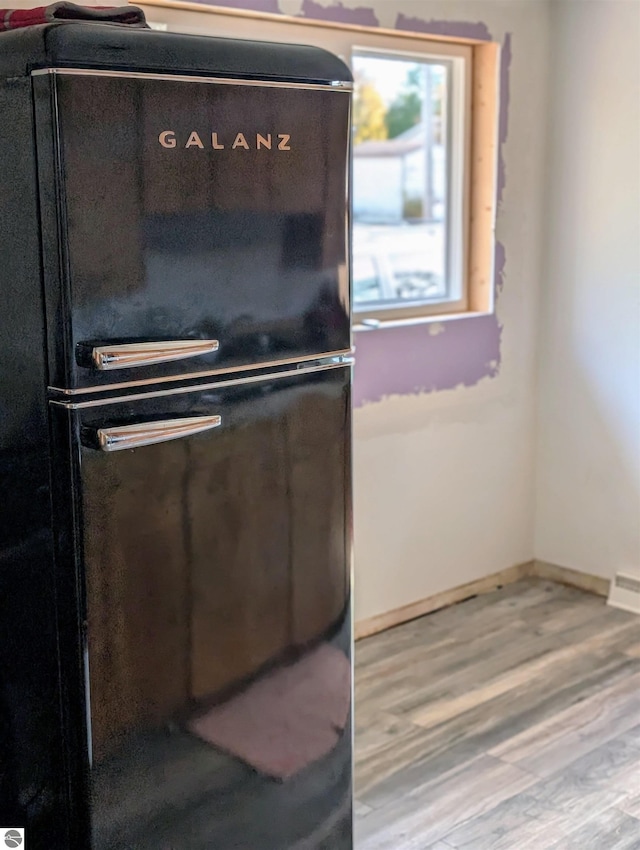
(117, 47)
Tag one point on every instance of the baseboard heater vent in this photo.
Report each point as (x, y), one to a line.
(625, 593)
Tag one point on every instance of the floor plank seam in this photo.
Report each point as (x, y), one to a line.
(536, 777)
(623, 812)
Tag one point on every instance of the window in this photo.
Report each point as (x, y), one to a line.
(409, 192)
(425, 151)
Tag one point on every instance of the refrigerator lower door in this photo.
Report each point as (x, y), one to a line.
(212, 552)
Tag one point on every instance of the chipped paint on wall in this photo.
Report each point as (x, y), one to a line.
(409, 360)
(339, 14)
(503, 115)
(413, 360)
(270, 6)
(448, 29)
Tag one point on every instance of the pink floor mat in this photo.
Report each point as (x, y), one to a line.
(286, 720)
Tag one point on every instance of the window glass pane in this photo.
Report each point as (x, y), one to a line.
(399, 181)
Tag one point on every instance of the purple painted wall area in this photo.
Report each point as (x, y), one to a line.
(414, 360)
(409, 360)
(338, 14)
(271, 6)
(451, 29)
(503, 117)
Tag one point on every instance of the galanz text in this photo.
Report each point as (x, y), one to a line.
(241, 141)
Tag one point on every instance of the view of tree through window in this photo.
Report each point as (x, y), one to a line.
(399, 181)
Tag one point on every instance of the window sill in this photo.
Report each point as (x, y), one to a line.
(436, 318)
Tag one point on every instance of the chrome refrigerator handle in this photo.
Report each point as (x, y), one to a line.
(147, 433)
(130, 354)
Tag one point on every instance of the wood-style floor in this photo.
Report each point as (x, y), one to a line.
(510, 721)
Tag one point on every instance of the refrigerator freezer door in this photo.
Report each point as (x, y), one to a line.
(214, 581)
(190, 211)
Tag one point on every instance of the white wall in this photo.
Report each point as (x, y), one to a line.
(588, 490)
(444, 481)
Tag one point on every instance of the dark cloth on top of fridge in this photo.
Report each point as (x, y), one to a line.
(11, 19)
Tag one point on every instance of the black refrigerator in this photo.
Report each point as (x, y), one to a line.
(175, 455)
